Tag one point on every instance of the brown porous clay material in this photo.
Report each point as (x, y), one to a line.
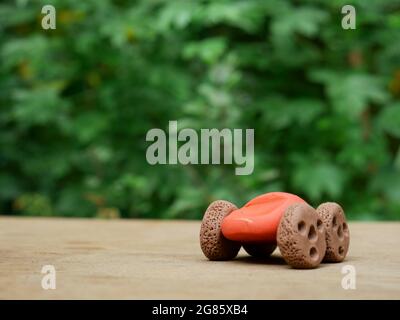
(337, 231)
(259, 250)
(213, 243)
(301, 236)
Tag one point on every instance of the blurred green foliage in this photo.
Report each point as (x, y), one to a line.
(76, 103)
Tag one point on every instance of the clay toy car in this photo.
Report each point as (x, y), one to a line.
(305, 236)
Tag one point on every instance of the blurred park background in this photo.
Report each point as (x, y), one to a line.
(76, 104)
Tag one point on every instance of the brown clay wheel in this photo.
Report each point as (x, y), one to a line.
(213, 243)
(337, 231)
(301, 236)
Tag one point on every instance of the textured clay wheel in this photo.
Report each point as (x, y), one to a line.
(301, 236)
(259, 250)
(337, 231)
(213, 243)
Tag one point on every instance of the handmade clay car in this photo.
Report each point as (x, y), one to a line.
(305, 236)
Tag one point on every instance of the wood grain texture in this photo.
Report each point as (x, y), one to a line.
(136, 259)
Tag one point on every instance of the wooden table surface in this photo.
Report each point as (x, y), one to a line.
(147, 259)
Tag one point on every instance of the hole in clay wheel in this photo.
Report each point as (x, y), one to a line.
(340, 232)
(341, 250)
(312, 234)
(314, 253)
(301, 226)
(334, 222)
(319, 225)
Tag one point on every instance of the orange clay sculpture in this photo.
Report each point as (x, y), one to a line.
(305, 236)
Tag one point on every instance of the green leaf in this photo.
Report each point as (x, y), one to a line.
(246, 15)
(317, 179)
(351, 93)
(209, 50)
(303, 20)
(389, 119)
(39, 106)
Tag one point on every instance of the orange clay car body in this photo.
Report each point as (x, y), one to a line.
(258, 220)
